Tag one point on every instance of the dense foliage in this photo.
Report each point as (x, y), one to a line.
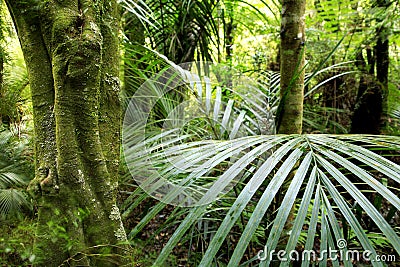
(232, 190)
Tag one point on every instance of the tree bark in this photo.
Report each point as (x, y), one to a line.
(292, 67)
(367, 113)
(382, 65)
(2, 56)
(366, 118)
(371, 104)
(1, 78)
(290, 109)
(135, 32)
(71, 53)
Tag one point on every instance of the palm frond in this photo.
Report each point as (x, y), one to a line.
(197, 164)
(141, 10)
(12, 179)
(334, 178)
(12, 202)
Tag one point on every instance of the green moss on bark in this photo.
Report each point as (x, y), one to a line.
(77, 121)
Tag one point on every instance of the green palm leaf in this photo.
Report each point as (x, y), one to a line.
(12, 198)
(311, 154)
(328, 173)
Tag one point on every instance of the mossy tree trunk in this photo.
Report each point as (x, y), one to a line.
(71, 52)
(290, 110)
(135, 32)
(2, 56)
(1, 79)
(292, 67)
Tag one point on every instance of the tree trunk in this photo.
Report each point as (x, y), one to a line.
(290, 110)
(366, 117)
(135, 32)
(228, 36)
(382, 63)
(382, 59)
(371, 104)
(1, 80)
(290, 113)
(2, 56)
(71, 53)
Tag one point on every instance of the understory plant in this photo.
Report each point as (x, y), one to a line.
(242, 192)
(16, 169)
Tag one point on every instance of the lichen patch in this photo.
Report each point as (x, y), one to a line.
(115, 215)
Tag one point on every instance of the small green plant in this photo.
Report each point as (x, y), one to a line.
(16, 243)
